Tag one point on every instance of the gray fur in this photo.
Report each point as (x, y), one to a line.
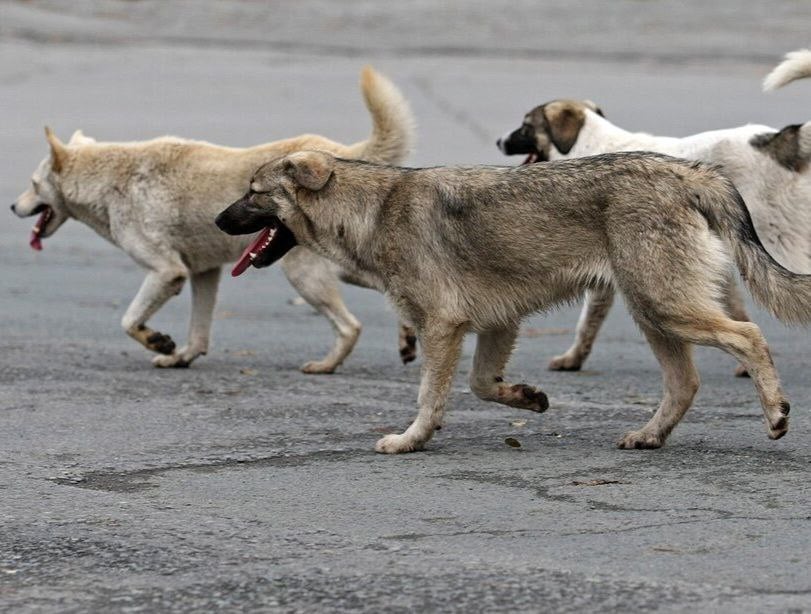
(476, 249)
(784, 146)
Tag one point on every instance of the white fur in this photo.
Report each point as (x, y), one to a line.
(796, 65)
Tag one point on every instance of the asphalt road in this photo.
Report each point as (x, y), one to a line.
(243, 485)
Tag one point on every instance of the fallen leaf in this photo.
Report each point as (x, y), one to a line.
(512, 442)
(518, 423)
(247, 371)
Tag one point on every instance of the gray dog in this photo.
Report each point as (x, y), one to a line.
(476, 249)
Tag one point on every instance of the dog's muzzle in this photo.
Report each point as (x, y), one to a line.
(273, 241)
(240, 218)
(517, 142)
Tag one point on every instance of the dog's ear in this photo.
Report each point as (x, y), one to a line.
(310, 169)
(564, 121)
(59, 152)
(80, 138)
(593, 106)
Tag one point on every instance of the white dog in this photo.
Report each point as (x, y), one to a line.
(157, 201)
(768, 166)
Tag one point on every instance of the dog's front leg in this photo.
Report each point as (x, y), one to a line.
(204, 297)
(441, 345)
(157, 288)
(493, 350)
(595, 309)
(316, 282)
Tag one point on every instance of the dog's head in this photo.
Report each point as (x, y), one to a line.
(549, 131)
(44, 197)
(276, 204)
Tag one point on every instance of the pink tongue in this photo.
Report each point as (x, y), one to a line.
(35, 242)
(245, 259)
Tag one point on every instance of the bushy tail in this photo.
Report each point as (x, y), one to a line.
(785, 294)
(796, 65)
(393, 124)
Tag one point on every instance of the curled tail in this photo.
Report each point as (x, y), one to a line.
(785, 294)
(392, 121)
(796, 65)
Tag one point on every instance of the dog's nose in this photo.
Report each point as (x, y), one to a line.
(14, 207)
(498, 143)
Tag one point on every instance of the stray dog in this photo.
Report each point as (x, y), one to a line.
(767, 166)
(156, 200)
(477, 249)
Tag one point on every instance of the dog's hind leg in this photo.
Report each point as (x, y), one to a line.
(681, 381)
(733, 303)
(407, 342)
(157, 288)
(204, 297)
(595, 309)
(493, 349)
(316, 281)
(441, 346)
(744, 341)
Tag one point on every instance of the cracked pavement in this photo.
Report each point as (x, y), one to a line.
(243, 485)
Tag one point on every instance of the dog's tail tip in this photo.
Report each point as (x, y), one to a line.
(368, 74)
(394, 129)
(796, 65)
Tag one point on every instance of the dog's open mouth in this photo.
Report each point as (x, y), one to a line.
(39, 228)
(269, 245)
(531, 158)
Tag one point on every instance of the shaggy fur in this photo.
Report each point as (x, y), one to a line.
(476, 249)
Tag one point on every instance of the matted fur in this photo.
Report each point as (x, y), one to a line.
(476, 249)
(156, 201)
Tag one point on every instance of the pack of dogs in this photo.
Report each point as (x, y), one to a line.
(457, 250)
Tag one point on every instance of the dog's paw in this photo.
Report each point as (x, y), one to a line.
(160, 343)
(528, 397)
(779, 427)
(396, 444)
(318, 366)
(640, 440)
(740, 371)
(171, 361)
(566, 362)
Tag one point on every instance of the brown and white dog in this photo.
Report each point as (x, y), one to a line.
(768, 167)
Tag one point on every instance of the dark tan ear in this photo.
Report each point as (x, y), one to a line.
(58, 151)
(564, 121)
(593, 106)
(310, 169)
